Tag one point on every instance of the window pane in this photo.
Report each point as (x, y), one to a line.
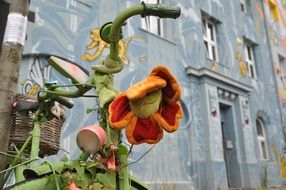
(249, 52)
(211, 31)
(152, 23)
(259, 129)
(204, 27)
(213, 53)
(242, 7)
(159, 29)
(264, 153)
(251, 70)
(261, 139)
(209, 26)
(206, 49)
(152, 1)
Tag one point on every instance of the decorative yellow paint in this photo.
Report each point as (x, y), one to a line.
(34, 90)
(97, 42)
(214, 67)
(99, 45)
(276, 12)
(282, 93)
(242, 66)
(281, 161)
(273, 10)
(239, 41)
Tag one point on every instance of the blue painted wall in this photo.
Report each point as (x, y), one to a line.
(193, 157)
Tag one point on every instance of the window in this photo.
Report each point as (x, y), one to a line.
(151, 23)
(210, 41)
(261, 137)
(273, 10)
(249, 60)
(243, 6)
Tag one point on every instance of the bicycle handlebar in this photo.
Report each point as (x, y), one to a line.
(160, 10)
(64, 101)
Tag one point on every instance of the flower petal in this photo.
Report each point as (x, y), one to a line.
(141, 130)
(119, 111)
(144, 87)
(172, 91)
(169, 116)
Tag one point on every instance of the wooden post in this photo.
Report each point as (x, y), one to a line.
(11, 54)
(4, 11)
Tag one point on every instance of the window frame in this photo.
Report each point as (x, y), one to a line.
(153, 24)
(210, 39)
(250, 60)
(262, 139)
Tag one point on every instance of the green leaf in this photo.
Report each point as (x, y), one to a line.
(79, 170)
(122, 149)
(93, 164)
(96, 186)
(107, 179)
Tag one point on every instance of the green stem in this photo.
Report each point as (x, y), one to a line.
(54, 174)
(19, 173)
(11, 155)
(116, 26)
(109, 141)
(13, 167)
(35, 142)
(9, 170)
(47, 94)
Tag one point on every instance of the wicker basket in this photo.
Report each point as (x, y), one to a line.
(50, 131)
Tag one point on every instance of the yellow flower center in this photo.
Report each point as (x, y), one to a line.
(146, 106)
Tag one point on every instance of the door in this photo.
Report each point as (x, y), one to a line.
(229, 145)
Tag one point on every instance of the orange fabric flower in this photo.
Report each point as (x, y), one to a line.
(148, 107)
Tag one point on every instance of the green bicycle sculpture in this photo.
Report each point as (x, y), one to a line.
(145, 110)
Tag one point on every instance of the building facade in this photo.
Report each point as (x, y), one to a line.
(224, 56)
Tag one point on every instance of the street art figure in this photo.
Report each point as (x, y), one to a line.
(98, 46)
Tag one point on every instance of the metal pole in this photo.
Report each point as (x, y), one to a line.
(11, 54)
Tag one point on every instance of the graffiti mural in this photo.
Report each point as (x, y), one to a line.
(39, 71)
(281, 161)
(98, 46)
